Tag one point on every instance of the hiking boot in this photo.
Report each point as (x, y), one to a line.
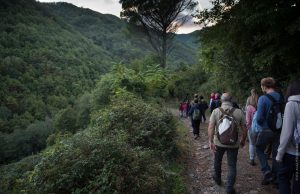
(252, 162)
(267, 178)
(217, 180)
(231, 192)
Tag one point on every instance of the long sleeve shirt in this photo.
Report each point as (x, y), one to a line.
(250, 110)
(291, 115)
(263, 107)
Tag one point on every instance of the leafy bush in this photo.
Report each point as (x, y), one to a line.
(121, 152)
(147, 126)
(91, 163)
(21, 143)
(12, 176)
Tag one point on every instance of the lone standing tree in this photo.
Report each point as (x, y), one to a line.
(160, 19)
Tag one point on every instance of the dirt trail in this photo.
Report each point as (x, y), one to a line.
(199, 167)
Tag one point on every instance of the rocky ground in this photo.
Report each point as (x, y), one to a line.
(198, 160)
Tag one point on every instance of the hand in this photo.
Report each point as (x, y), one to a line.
(212, 147)
(279, 161)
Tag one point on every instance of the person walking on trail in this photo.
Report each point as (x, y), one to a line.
(215, 103)
(251, 105)
(223, 131)
(269, 117)
(288, 156)
(195, 114)
(204, 107)
(212, 98)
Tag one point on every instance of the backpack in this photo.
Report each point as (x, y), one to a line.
(255, 127)
(296, 139)
(275, 115)
(227, 130)
(196, 113)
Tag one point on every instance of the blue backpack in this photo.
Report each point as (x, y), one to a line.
(255, 127)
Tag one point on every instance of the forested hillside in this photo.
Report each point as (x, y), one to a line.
(51, 54)
(122, 41)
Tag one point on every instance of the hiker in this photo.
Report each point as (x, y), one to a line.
(288, 156)
(212, 98)
(185, 109)
(203, 108)
(195, 114)
(215, 103)
(250, 110)
(192, 103)
(181, 109)
(220, 141)
(269, 111)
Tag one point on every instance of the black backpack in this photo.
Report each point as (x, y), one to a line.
(275, 115)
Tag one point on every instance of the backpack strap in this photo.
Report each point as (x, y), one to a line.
(222, 111)
(231, 111)
(228, 113)
(280, 101)
(271, 98)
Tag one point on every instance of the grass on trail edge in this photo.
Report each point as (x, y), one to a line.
(178, 167)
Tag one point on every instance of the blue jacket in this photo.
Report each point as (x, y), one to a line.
(263, 108)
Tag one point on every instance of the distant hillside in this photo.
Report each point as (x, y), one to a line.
(52, 52)
(112, 33)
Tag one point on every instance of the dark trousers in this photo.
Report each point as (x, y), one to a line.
(231, 160)
(196, 126)
(289, 170)
(203, 118)
(263, 139)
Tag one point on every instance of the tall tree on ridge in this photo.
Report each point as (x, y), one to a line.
(159, 19)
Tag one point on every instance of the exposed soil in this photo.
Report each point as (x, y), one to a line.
(198, 160)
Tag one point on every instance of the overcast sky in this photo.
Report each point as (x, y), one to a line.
(113, 7)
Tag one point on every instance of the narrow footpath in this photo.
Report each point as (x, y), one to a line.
(198, 161)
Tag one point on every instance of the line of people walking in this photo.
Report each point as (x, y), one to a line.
(195, 110)
(270, 120)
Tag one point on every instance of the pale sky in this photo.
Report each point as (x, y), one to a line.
(113, 7)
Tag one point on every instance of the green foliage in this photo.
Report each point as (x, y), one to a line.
(122, 152)
(251, 40)
(149, 81)
(124, 43)
(159, 20)
(43, 64)
(66, 120)
(21, 143)
(13, 176)
(147, 126)
(91, 163)
(187, 80)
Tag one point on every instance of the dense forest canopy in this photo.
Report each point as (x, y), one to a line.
(262, 39)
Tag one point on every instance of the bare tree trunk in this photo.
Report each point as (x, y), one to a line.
(164, 51)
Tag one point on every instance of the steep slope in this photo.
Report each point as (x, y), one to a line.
(44, 63)
(50, 55)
